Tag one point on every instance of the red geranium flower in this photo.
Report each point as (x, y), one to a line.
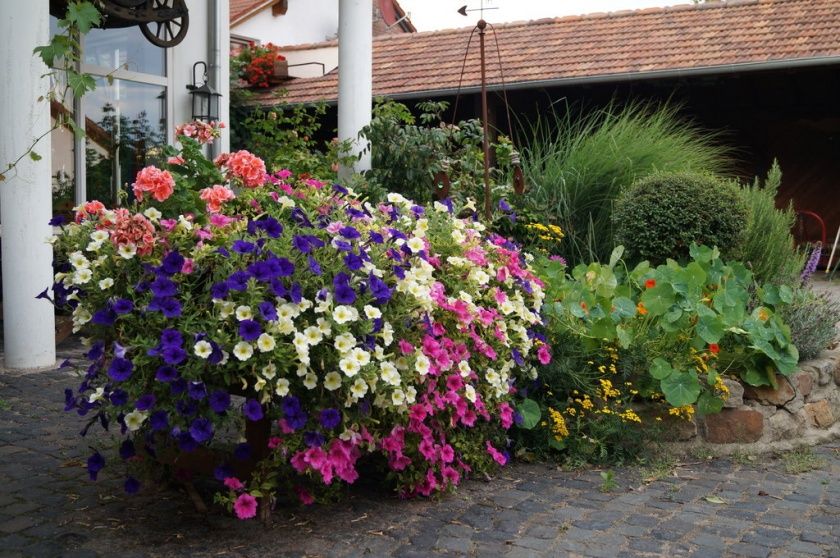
(650, 283)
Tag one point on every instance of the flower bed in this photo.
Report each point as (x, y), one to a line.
(393, 334)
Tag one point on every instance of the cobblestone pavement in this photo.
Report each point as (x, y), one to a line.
(702, 507)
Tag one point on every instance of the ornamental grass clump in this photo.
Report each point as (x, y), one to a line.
(354, 333)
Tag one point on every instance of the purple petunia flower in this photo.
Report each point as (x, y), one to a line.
(131, 485)
(278, 288)
(163, 287)
(268, 311)
(177, 387)
(353, 261)
(379, 289)
(281, 267)
(222, 472)
(127, 450)
(145, 402)
(96, 351)
(313, 439)
(243, 247)
(201, 430)
(330, 418)
(95, 463)
(118, 398)
(171, 337)
(122, 306)
(104, 316)
(298, 216)
(219, 401)
(166, 373)
(342, 245)
(249, 330)
(271, 226)
(57, 221)
(505, 206)
(314, 266)
(238, 280)
(170, 307)
(172, 263)
(196, 390)
(301, 244)
(173, 355)
(252, 410)
(119, 350)
(349, 232)
(296, 293)
(376, 238)
(290, 405)
(186, 442)
(261, 271)
(159, 420)
(120, 369)
(186, 407)
(219, 290)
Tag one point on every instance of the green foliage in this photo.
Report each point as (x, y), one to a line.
(406, 156)
(768, 246)
(284, 137)
(577, 164)
(812, 318)
(660, 216)
(608, 482)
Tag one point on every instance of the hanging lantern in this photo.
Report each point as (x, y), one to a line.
(205, 99)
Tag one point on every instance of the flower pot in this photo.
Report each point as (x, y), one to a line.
(281, 71)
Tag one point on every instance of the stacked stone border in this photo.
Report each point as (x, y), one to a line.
(804, 410)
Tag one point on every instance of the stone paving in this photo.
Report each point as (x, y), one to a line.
(702, 507)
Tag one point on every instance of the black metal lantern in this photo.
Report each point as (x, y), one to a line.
(205, 99)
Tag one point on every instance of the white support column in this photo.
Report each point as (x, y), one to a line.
(26, 194)
(355, 72)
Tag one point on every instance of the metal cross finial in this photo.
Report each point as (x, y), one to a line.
(463, 9)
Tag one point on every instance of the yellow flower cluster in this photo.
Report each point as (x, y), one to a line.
(558, 424)
(630, 415)
(546, 232)
(607, 390)
(685, 412)
(721, 388)
(609, 395)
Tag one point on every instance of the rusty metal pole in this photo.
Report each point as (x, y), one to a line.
(488, 203)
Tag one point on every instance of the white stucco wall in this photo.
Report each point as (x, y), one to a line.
(306, 21)
(193, 48)
(328, 56)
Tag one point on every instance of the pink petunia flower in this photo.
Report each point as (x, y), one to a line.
(245, 506)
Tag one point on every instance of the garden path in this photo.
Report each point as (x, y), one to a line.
(702, 507)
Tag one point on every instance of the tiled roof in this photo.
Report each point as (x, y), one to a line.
(719, 36)
(239, 9)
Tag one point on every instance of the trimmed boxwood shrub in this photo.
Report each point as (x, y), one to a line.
(661, 215)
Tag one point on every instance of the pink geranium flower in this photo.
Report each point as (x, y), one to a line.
(152, 180)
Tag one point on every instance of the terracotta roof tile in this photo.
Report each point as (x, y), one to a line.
(241, 8)
(685, 37)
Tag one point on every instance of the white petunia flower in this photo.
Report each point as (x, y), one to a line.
(266, 343)
(416, 244)
(300, 342)
(106, 283)
(387, 333)
(282, 388)
(349, 367)
(313, 335)
(343, 314)
(359, 388)
(127, 250)
(344, 342)
(78, 260)
(310, 381)
(398, 397)
(203, 349)
(372, 312)
(244, 313)
(469, 393)
(152, 214)
(97, 395)
(269, 371)
(99, 236)
(390, 375)
(332, 381)
(243, 350)
(93, 246)
(82, 276)
(134, 420)
(421, 364)
(361, 356)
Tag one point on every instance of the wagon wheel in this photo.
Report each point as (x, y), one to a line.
(129, 3)
(170, 32)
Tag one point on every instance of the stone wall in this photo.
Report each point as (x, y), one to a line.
(804, 409)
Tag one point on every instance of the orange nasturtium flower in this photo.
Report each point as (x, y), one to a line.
(714, 348)
(650, 283)
(640, 308)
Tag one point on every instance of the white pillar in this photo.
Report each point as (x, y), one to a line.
(26, 194)
(355, 72)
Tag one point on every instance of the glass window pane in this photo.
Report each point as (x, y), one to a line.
(126, 128)
(112, 48)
